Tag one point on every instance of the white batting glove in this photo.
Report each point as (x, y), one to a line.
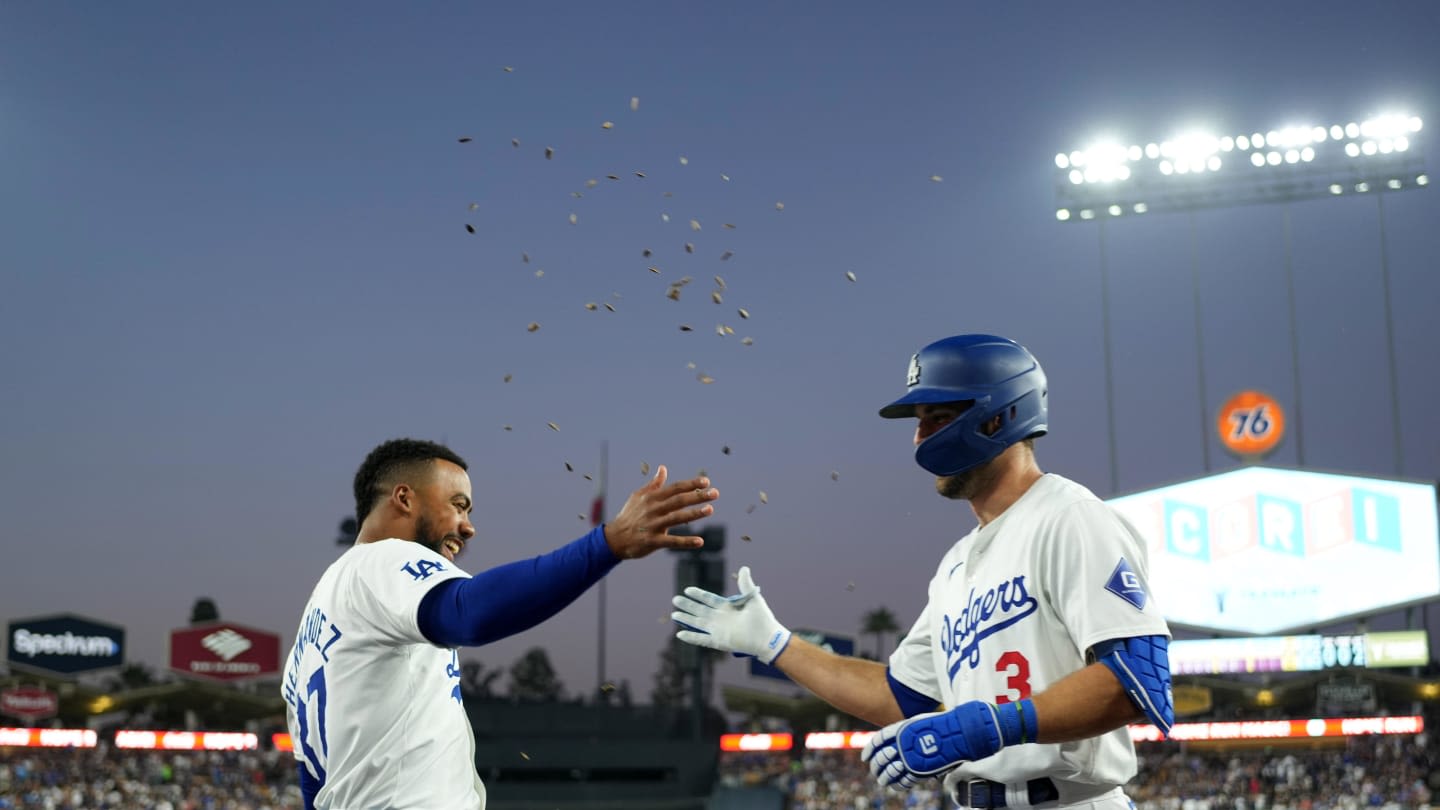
(742, 624)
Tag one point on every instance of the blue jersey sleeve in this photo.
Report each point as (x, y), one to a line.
(309, 786)
(512, 598)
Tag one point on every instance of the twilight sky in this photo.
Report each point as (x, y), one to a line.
(233, 258)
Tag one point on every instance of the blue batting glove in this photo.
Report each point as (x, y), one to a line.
(928, 745)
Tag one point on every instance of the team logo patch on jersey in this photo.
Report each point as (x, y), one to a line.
(1125, 583)
(422, 569)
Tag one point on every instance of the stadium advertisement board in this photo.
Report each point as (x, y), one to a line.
(29, 702)
(1266, 549)
(64, 644)
(1307, 653)
(224, 651)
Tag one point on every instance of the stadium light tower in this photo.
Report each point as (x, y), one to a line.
(1198, 170)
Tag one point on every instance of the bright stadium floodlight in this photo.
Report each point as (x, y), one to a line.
(1199, 168)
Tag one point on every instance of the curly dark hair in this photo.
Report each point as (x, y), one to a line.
(390, 459)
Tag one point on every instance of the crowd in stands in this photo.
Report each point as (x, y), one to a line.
(1391, 773)
(106, 778)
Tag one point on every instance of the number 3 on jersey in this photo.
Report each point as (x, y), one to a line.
(1016, 669)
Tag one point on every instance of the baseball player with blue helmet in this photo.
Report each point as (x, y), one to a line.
(1040, 641)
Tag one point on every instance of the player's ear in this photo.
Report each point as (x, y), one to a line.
(403, 497)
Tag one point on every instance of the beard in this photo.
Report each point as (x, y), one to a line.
(966, 485)
(427, 536)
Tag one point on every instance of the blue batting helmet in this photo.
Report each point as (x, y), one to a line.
(999, 376)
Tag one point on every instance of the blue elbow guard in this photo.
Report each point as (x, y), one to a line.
(1142, 665)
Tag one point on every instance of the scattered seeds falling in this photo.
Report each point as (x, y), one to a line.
(469, 228)
(465, 139)
(591, 183)
(474, 206)
(834, 475)
(779, 206)
(634, 103)
(507, 427)
(689, 247)
(850, 274)
(515, 142)
(525, 257)
(725, 449)
(549, 152)
(532, 327)
(744, 313)
(587, 477)
(507, 378)
(725, 257)
(568, 468)
(574, 219)
(608, 125)
(646, 252)
(715, 296)
(673, 293)
(612, 177)
(720, 282)
(664, 217)
(509, 69)
(750, 508)
(763, 497)
(610, 307)
(655, 270)
(745, 537)
(685, 327)
(730, 225)
(690, 365)
(592, 306)
(554, 426)
(644, 468)
(684, 161)
(850, 586)
(747, 341)
(640, 175)
(539, 273)
(725, 177)
(935, 178)
(694, 224)
(705, 378)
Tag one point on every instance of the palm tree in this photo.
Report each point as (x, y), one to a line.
(878, 623)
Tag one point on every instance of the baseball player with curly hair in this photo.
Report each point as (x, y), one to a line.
(372, 685)
(1040, 641)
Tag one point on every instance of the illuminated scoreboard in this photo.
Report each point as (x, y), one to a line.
(1266, 550)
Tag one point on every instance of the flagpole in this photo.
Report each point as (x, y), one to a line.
(597, 517)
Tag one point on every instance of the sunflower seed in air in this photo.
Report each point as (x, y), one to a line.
(469, 228)
(608, 125)
(532, 327)
(715, 296)
(689, 247)
(763, 497)
(465, 139)
(610, 307)
(574, 219)
(779, 206)
(507, 378)
(745, 537)
(634, 103)
(568, 468)
(694, 224)
(850, 274)
(705, 378)
(591, 306)
(744, 313)
(549, 152)
(553, 426)
(685, 327)
(747, 341)
(725, 257)
(644, 468)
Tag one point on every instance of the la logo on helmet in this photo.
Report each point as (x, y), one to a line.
(912, 377)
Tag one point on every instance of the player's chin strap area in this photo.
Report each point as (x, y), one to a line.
(1142, 664)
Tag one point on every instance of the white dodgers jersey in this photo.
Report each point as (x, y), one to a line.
(1013, 608)
(374, 709)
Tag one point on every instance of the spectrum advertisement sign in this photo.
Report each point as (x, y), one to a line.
(1267, 550)
(65, 644)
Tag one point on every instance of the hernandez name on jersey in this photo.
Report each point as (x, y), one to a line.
(373, 707)
(1015, 606)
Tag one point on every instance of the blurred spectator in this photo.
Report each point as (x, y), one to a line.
(116, 779)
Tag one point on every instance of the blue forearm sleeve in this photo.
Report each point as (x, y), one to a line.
(512, 598)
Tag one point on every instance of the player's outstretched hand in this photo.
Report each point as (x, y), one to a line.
(741, 624)
(652, 510)
(928, 745)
